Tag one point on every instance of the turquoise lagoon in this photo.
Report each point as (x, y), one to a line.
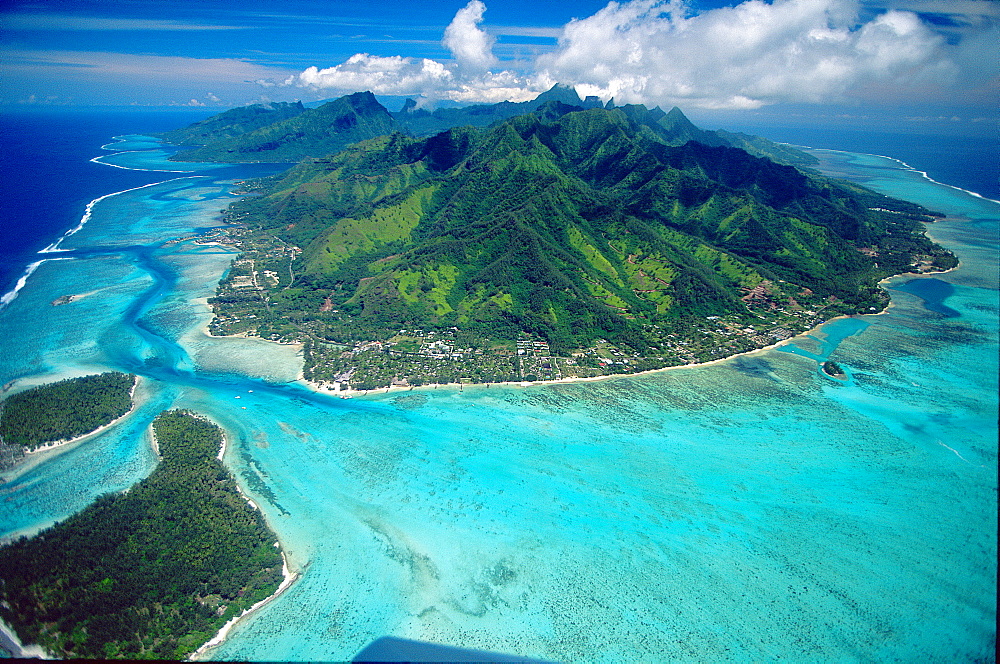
(749, 510)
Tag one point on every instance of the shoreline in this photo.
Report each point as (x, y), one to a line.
(31, 458)
(67, 441)
(288, 578)
(351, 393)
(323, 388)
(10, 642)
(906, 167)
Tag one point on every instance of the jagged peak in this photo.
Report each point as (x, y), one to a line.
(356, 101)
(677, 116)
(562, 93)
(554, 109)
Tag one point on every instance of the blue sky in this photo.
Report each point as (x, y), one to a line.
(904, 60)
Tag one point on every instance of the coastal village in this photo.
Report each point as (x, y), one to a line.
(407, 358)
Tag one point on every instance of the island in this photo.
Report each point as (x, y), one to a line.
(834, 370)
(152, 573)
(61, 412)
(546, 240)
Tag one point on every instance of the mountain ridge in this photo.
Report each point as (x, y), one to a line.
(243, 136)
(577, 227)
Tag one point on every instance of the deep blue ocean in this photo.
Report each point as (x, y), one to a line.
(971, 162)
(47, 178)
(754, 509)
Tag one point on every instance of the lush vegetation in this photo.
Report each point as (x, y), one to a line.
(289, 132)
(833, 369)
(312, 132)
(573, 225)
(232, 123)
(623, 237)
(64, 410)
(151, 573)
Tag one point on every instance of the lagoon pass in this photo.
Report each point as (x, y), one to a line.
(753, 509)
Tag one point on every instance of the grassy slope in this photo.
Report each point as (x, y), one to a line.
(572, 224)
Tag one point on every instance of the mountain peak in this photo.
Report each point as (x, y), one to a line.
(561, 93)
(676, 116)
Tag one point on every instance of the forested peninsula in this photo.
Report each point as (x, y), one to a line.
(62, 411)
(152, 573)
(558, 238)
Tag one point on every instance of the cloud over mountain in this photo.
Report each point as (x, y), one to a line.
(466, 78)
(661, 52)
(743, 56)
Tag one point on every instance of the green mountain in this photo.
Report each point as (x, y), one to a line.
(246, 134)
(573, 225)
(232, 123)
(311, 132)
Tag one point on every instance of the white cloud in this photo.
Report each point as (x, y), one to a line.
(661, 52)
(745, 56)
(471, 47)
(49, 100)
(468, 78)
(95, 76)
(99, 65)
(393, 75)
(520, 31)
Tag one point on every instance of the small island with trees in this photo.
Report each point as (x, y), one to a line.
(834, 370)
(152, 573)
(60, 412)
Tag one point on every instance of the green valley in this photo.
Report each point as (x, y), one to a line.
(616, 239)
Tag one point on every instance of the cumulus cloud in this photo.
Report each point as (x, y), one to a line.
(468, 77)
(662, 52)
(744, 56)
(471, 47)
(392, 75)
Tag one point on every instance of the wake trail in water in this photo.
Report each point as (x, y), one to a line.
(957, 454)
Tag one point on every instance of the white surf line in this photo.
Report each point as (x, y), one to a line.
(908, 168)
(11, 295)
(97, 160)
(88, 212)
(958, 455)
(124, 138)
(53, 248)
